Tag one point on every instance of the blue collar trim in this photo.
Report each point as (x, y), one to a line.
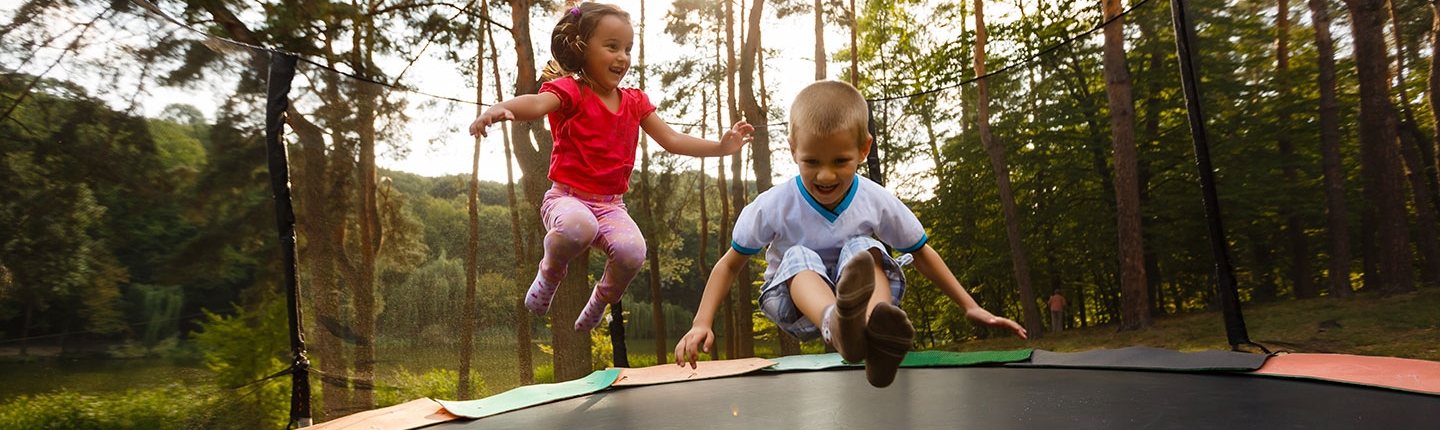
(830, 215)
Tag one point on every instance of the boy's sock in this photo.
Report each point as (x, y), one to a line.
(852, 294)
(542, 291)
(592, 314)
(890, 336)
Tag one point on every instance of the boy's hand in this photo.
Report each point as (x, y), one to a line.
(491, 116)
(688, 350)
(982, 316)
(737, 137)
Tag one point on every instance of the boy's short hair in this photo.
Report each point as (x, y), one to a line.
(826, 106)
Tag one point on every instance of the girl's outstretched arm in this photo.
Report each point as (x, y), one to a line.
(528, 107)
(683, 144)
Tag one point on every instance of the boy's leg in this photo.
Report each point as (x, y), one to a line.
(571, 228)
(881, 293)
(620, 239)
(799, 279)
(854, 292)
(890, 336)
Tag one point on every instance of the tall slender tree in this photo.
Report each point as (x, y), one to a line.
(1294, 226)
(1001, 169)
(472, 237)
(657, 308)
(1380, 153)
(820, 60)
(524, 358)
(1433, 86)
(1135, 303)
(1427, 242)
(1336, 214)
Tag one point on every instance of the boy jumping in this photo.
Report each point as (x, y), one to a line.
(812, 224)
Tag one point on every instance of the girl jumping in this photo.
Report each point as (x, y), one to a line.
(595, 124)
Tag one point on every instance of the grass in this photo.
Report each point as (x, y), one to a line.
(1405, 326)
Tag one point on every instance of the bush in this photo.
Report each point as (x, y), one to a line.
(545, 374)
(172, 407)
(404, 386)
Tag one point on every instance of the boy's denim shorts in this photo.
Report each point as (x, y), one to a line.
(775, 299)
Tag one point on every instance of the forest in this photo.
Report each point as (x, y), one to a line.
(1046, 146)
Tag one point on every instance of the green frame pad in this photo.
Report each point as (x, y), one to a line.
(532, 395)
(912, 359)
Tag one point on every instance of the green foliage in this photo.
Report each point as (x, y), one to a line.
(640, 320)
(403, 386)
(161, 304)
(545, 374)
(244, 348)
(602, 352)
(173, 407)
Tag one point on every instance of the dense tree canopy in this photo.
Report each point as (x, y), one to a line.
(120, 227)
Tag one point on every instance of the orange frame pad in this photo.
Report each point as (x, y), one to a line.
(1419, 376)
(667, 373)
(412, 414)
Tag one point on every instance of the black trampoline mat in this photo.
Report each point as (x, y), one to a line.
(1141, 357)
(989, 398)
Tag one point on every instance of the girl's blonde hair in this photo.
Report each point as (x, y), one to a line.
(567, 41)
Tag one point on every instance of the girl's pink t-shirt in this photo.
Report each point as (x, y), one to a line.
(594, 147)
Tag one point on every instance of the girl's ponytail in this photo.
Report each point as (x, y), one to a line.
(553, 71)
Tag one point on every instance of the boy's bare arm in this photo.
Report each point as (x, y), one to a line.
(684, 144)
(929, 263)
(701, 335)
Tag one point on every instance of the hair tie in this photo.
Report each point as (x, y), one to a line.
(575, 11)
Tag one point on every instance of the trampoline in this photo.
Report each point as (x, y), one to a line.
(1131, 388)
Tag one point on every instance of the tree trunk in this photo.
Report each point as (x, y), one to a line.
(1001, 168)
(854, 45)
(1294, 226)
(657, 307)
(523, 345)
(533, 156)
(572, 348)
(1428, 243)
(313, 223)
(820, 40)
(760, 156)
(472, 240)
(369, 220)
(722, 346)
(1135, 305)
(1434, 96)
(1336, 215)
(1154, 282)
(1380, 152)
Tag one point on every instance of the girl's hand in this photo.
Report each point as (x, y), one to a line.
(688, 350)
(493, 115)
(982, 316)
(736, 137)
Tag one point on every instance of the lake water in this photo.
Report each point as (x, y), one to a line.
(96, 375)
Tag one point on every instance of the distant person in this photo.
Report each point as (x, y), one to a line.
(823, 263)
(1057, 312)
(595, 124)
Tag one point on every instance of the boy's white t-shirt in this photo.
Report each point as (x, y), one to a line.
(786, 215)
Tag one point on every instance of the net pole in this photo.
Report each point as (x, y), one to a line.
(1225, 283)
(281, 74)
